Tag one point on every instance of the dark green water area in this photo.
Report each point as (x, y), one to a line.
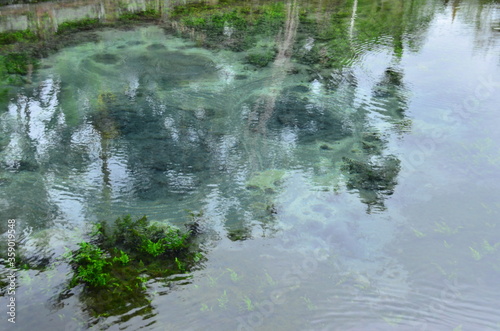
(251, 165)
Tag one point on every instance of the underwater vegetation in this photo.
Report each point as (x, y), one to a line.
(20, 51)
(261, 59)
(130, 244)
(11, 37)
(17, 61)
(230, 24)
(146, 15)
(119, 258)
(78, 25)
(266, 181)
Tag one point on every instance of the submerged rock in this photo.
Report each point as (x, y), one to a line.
(156, 47)
(135, 42)
(106, 58)
(170, 69)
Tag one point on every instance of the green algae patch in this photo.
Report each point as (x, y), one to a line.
(18, 63)
(11, 37)
(78, 25)
(21, 50)
(119, 259)
(260, 59)
(267, 181)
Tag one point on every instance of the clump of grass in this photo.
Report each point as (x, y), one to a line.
(17, 63)
(152, 239)
(92, 266)
(79, 25)
(117, 256)
(149, 14)
(11, 37)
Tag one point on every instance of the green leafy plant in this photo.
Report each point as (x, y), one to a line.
(248, 303)
(179, 264)
(79, 25)
(91, 263)
(223, 300)
(234, 276)
(154, 248)
(123, 258)
(11, 37)
(17, 63)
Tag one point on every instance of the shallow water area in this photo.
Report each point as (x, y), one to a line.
(347, 182)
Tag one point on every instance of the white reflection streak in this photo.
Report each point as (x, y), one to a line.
(225, 147)
(288, 140)
(40, 114)
(88, 138)
(169, 124)
(353, 18)
(133, 85)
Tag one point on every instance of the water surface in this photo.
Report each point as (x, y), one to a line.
(357, 190)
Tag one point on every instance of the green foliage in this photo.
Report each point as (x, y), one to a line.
(223, 300)
(234, 276)
(248, 303)
(233, 18)
(196, 22)
(190, 9)
(11, 37)
(272, 17)
(145, 15)
(214, 23)
(152, 239)
(260, 59)
(123, 258)
(17, 63)
(79, 25)
(179, 264)
(235, 26)
(128, 232)
(91, 263)
(174, 239)
(154, 248)
(98, 230)
(118, 256)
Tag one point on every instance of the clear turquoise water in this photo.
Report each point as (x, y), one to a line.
(142, 122)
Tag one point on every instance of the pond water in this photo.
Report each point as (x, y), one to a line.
(350, 180)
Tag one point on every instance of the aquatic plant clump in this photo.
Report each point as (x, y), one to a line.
(91, 262)
(78, 25)
(11, 37)
(117, 257)
(153, 239)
